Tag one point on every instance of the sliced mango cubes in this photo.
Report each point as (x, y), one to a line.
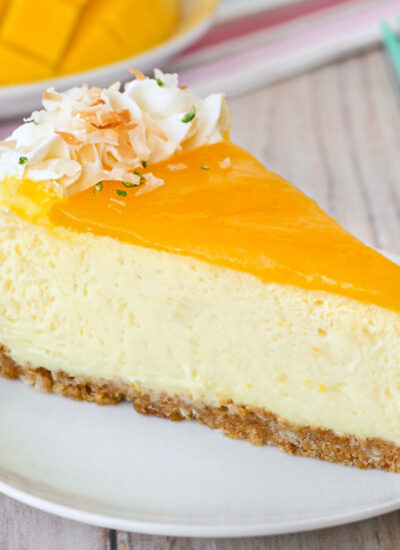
(44, 38)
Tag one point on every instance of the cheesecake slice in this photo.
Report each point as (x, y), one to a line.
(146, 257)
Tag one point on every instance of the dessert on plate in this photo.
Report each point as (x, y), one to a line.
(146, 257)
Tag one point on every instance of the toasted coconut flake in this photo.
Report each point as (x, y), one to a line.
(106, 137)
(125, 116)
(226, 163)
(104, 120)
(96, 90)
(87, 115)
(183, 87)
(89, 153)
(98, 102)
(122, 171)
(130, 125)
(152, 183)
(139, 75)
(11, 144)
(106, 126)
(177, 166)
(125, 146)
(115, 87)
(69, 138)
(152, 126)
(52, 96)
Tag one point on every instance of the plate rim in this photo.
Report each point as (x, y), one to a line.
(195, 530)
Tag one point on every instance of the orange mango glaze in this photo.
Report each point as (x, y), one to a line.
(243, 217)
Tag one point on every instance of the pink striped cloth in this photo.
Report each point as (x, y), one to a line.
(269, 43)
(244, 53)
(6, 129)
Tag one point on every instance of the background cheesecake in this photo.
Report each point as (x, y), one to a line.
(146, 257)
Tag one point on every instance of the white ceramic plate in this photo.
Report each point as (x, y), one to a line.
(112, 467)
(197, 16)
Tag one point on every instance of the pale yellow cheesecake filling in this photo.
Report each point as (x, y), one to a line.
(138, 244)
(101, 308)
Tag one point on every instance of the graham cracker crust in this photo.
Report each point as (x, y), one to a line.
(255, 425)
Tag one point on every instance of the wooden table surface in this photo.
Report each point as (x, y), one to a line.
(335, 133)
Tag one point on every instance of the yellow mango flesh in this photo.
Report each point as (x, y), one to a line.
(48, 38)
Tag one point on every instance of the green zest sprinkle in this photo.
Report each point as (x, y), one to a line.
(159, 82)
(141, 176)
(143, 163)
(129, 184)
(97, 188)
(188, 117)
(23, 160)
(205, 167)
(36, 123)
(121, 193)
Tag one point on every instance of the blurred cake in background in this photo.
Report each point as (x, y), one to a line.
(45, 38)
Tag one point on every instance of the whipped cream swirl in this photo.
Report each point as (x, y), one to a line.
(86, 135)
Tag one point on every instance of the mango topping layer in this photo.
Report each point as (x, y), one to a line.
(221, 205)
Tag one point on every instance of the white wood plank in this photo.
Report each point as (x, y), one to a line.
(382, 533)
(24, 528)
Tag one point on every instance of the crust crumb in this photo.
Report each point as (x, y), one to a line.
(257, 426)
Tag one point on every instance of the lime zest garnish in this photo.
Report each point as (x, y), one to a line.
(97, 188)
(188, 117)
